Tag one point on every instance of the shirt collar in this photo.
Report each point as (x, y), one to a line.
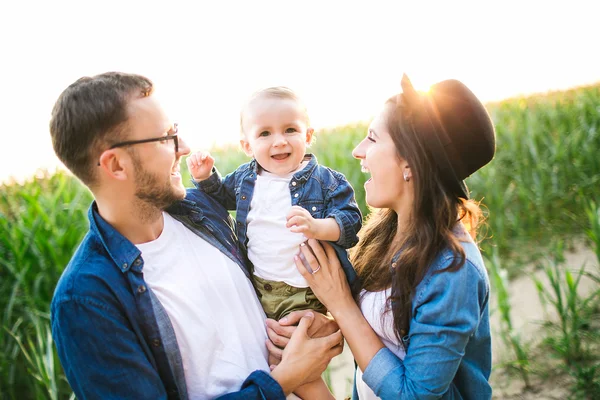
(119, 248)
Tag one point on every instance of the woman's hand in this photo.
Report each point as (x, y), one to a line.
(327, 279)
(281, 331)
(304, 358)
(329, 284)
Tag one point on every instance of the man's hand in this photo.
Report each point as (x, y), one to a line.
(304, 358)
(281, 331)
(200, 165)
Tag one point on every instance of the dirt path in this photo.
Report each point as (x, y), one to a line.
(527, 313)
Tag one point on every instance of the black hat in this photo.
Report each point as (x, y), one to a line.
(456, 128)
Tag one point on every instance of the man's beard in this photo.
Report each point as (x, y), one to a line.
(152, 197)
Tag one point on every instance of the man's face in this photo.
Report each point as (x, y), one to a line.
(156, 164)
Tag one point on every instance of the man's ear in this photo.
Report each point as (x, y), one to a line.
(246, 147)
(113, 165)
(309, 135)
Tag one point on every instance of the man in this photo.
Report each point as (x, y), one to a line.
(158, 304)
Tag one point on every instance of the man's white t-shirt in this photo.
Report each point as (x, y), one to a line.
(218, 321)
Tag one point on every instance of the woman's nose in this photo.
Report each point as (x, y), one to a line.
(358, 151)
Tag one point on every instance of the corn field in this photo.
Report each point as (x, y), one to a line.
(542, 187)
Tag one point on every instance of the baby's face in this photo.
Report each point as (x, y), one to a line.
(276, 134)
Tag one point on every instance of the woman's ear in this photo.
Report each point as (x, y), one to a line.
(407, 174)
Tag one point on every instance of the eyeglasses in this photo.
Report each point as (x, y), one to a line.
(155, 139)
(172, 137)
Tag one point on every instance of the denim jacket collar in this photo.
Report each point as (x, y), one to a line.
(301, 175)
(119, 248)
(186, 207)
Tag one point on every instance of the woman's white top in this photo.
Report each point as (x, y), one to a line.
(373, 307)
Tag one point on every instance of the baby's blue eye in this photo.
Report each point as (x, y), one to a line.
(264, 133)
(290, 130)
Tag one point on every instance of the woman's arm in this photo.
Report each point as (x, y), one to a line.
(447, 311)
(330, 286)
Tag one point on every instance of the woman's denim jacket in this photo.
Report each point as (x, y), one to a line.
(325, 193)
(448, 348)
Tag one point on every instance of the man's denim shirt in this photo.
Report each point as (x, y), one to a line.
(114, 338)
(448, 348)
(325, 193)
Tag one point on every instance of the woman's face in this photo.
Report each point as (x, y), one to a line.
(378, 156)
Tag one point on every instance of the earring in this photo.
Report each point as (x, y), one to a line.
(406, 177)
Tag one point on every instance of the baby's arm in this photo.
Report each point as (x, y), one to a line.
(208, 179)
(299, 220)
(314, 390)
(200, 165)
(341, 206)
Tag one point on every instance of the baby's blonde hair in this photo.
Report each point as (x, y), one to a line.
(275, 92)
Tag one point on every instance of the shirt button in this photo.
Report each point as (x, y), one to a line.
(141, 289)
(294, 183)
(156, 342)
(314, 208)
(393, 265)
(268, 287)
(296, 195)
(239, 223)
(243, 197)
(124, 266)
(137, 262)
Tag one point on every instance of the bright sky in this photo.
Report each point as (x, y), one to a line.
(344, 57)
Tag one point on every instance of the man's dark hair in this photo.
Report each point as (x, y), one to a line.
(90, 115)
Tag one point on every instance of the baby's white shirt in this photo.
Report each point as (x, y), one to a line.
(271, 245)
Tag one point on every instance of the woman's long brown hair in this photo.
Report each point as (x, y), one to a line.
(434, 215)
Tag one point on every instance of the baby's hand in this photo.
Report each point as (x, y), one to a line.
(299, 220)
(200, 165)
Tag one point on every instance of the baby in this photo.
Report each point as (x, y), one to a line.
(282, 198)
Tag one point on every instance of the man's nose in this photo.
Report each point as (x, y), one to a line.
(184, 149)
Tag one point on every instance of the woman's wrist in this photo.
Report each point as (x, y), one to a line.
(343, 308)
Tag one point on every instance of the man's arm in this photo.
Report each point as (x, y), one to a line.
(103, 358)
(101, 355)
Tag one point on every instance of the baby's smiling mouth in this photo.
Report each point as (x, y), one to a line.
(281, 156)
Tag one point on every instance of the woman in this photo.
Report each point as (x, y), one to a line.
(420, 328)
